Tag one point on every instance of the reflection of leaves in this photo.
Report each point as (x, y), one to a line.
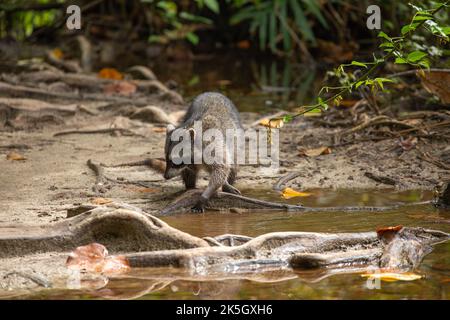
(392, 276)
(289, 193)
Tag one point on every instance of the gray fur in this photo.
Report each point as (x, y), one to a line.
(218, 112)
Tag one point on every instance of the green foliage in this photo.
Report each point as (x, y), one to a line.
(23, 23)
(279, 21)
(399, 48)
(178, 22)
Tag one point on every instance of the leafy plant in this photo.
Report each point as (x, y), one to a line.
(279, 21)
(180, 24)
(396, 48)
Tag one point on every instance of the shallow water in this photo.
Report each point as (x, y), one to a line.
(315, 284)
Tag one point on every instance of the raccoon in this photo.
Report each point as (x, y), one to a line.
(215, 111)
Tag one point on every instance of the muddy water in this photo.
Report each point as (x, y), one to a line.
(316, 284)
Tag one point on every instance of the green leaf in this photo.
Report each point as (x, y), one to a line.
(287, 118)
(359, 84)
(409, 28)
(385, 36)
(192, 38)
(416, 56)
(401, 61)
(191, 17)
(212, 5)
(359, 64)
(315, 8)
(301, 21)
(387, 45)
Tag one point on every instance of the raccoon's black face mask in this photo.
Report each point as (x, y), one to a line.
(174, 161)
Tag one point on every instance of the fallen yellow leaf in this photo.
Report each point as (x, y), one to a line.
(15, 156)
(110, 73)
(289, 193)
(392, 276)
(271, 123)
(315, 152)
(100, 201)
(57, 53)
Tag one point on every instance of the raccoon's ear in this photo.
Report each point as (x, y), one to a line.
(170, 128)
(192, 133)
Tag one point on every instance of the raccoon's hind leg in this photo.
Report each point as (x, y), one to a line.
(228, 185)
(189, 176)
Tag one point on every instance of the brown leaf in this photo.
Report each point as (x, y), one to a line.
(315, 152)
(57, 53)
(110, 73)
(244, 44)
(100, 201)
(15, 156)
(437, 83)
(272, 123)
(94, 258)
(383, 231)
(159, 130)
(122, 88)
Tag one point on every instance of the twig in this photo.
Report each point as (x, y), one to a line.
(101, 182)
(107, 130)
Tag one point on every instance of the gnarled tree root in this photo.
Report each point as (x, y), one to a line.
(153, 243)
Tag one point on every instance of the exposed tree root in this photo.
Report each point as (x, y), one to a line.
(131, 230)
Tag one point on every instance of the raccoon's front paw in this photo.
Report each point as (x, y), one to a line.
(198, 208)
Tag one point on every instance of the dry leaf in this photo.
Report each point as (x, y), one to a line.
(315, 152)
(15, 156)
(244, 44)
(348, 103)
(100, 201)
(392, 276)
(289, 193)
(273, 124)
(382, 231)
(143, 189)
(159, 129)
(110, 73)
(57, 53)
(122, 88)
(94, 258)
(437, 83)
